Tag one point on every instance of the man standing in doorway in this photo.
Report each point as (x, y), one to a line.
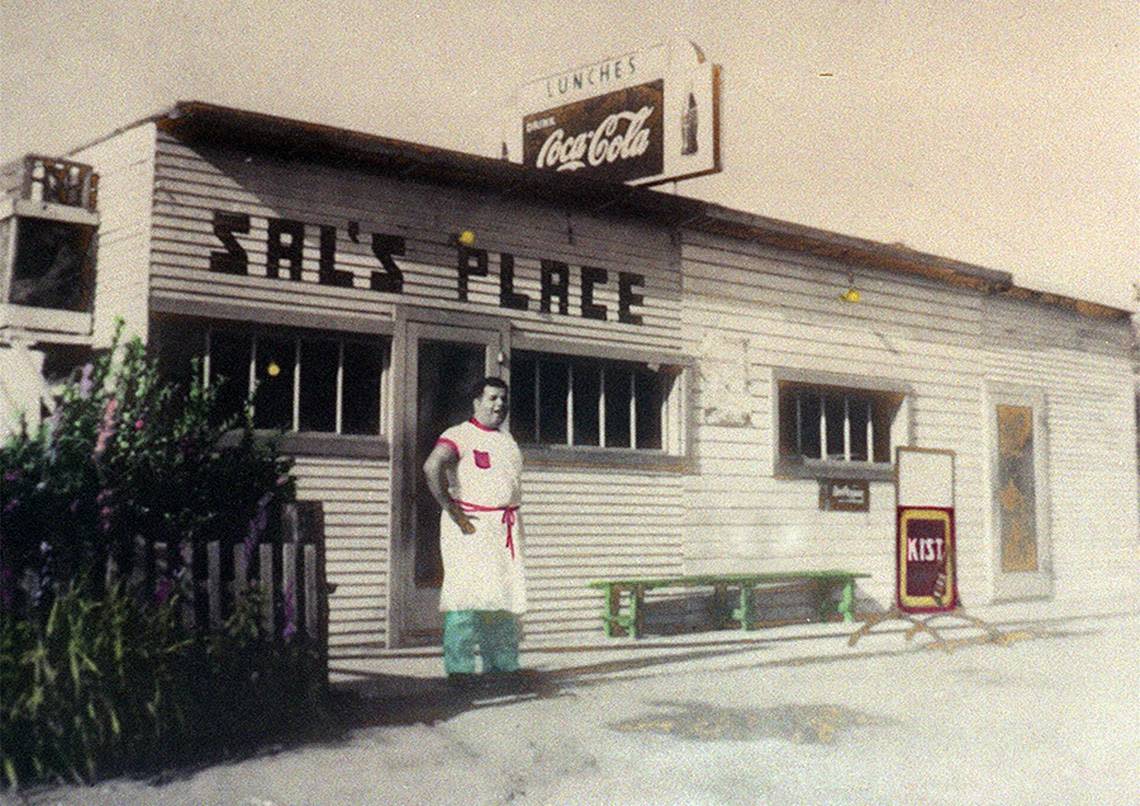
(474, 472)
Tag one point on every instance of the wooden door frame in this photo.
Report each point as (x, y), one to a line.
(1016, 585)
(411, 324)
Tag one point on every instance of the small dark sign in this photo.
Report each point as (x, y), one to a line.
(844, 495)
(617, 136)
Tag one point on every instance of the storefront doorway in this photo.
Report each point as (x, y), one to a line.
(442, 364)
(1020, 524)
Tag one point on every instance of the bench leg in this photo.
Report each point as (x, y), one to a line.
(744, 613)
(612, 611)
(844, 607)
(636, 603)
(847, 601)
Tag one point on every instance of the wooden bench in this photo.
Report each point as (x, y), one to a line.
(616, 624)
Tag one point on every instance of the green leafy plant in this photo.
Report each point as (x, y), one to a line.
(107, 683)
(98, 672)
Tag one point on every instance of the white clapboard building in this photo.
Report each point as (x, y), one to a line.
(696, 389)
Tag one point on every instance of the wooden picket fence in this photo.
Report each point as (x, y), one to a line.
(290, 576)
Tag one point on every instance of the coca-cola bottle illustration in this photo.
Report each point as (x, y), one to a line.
(940, 588)
(689, 125)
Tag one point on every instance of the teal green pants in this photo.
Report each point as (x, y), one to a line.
(495, 632)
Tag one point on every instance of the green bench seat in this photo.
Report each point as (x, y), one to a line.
(615, 623)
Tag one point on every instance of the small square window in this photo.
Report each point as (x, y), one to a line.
(823, 426)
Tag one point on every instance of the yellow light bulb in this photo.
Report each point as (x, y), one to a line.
(273, 370)
(466, 238)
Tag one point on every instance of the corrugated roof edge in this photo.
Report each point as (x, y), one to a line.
(199, 120)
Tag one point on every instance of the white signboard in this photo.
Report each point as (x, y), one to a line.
(643, 118)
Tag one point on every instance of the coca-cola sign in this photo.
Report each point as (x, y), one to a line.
(616, 136)
(644, 117)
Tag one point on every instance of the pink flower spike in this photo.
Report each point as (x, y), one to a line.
(138, 424)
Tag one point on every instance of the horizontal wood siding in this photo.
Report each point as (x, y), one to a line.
(356, 498)
(749, 311)
(125, 164)
(583, 525)
(1090, 406)
(194, 182)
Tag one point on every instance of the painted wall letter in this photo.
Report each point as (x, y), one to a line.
(234, 260)
(626, 282)
(552, 288)
(471, 263)
(276, 251)
(592, 276)
(508, 297)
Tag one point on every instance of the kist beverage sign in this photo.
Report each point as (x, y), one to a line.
(642, 118)
(926, 569)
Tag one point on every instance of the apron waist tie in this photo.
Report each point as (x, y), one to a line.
(509, 518)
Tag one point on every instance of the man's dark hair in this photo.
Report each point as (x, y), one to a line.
(490, 380)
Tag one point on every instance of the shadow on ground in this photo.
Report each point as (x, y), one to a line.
(800, 724)
(383, 700)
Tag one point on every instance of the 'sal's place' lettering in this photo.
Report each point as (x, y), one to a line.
(284, 247)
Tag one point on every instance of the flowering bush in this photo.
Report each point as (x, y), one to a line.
(96, 675)
(126, 455)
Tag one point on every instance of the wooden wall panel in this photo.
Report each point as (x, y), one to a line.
(773, 311)
(356, 498)
(125, 164)
(585, 525)
(1090, 407)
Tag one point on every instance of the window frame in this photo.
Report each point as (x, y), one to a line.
(674, 454)
(292, 440)
(792, 466)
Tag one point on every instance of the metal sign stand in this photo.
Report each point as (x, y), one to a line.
(926, 576)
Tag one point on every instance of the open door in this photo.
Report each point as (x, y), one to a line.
(1019, 486)
(442, 363)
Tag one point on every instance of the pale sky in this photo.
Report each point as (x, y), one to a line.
(1005, 134)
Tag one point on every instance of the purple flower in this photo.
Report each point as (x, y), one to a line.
(11, 505)
(106, 428)
(162, 590)
(250, 541)
(11, 475)
(74, 506)
(103, 495)
(282, 480)
(290, 628)
(139, 424)
(85, 382)
(45, 547)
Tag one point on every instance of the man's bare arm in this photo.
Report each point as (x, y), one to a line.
(439, 460)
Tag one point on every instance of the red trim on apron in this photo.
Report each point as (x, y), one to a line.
(509, 518)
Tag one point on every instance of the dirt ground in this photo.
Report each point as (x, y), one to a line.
(1049, 713)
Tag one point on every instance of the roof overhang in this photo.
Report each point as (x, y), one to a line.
(196, 121)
